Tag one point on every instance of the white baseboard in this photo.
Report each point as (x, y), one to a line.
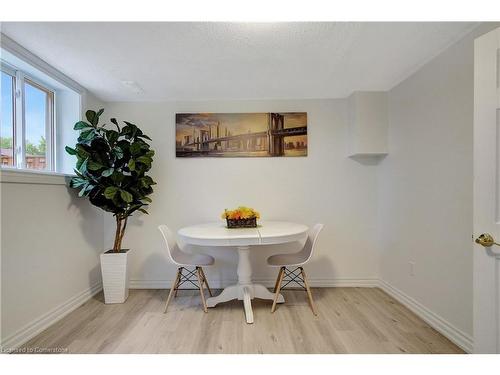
(35, 327)
(454, 334)
(216, 284)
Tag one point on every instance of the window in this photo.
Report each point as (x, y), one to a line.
(27, 122)
(38, 106)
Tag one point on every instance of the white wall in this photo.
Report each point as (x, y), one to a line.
(425, 186)
(325, 186)
(50, 247)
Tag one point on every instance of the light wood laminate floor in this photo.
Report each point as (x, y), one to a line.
(350, 320)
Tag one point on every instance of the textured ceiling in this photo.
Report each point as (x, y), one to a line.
(191, 61)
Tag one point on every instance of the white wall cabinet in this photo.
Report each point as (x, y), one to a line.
(368, 124)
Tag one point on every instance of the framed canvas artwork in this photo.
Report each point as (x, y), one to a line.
(241, 134)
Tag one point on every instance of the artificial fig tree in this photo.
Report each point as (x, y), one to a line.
(111, 169)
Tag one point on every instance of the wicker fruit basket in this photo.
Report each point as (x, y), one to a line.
(242, 223)
(241, 217)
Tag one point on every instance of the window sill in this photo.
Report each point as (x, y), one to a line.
(16, 176)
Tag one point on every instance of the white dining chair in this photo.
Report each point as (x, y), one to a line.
(298, 276)
(183, 260)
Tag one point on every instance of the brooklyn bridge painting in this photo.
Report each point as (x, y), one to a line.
(241, 134)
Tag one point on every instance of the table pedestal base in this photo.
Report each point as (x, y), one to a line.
(245, 290)
(245, 293)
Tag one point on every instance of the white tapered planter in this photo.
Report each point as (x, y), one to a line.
(115, 280)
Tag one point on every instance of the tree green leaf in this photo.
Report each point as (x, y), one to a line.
(112, 136)
(126, 130)
(107, 172)
(81, 150)
(87, 189)
(129, 130)
(118, 152)
(91, 135)
(81, 192)
(77, 182)
(117, 177)
(94, 166)
(70, 150)
(147, 181)
(81, 125)
(135, 148)
(126, 196)
(113, 120)
(92, 117)
(145, 160)
(86, 135)
(110, 192)
(131, 165)
(144, 136)
(143, 211)
(83, 166)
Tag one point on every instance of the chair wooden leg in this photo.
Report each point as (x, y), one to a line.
(178, 281)
(277, 280)
(278, 288)
(200, 282)
(172, 289)
(206, 282)
(309, 295)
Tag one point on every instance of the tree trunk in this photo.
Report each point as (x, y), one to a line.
(122, 233)
(117, 233)
(121, 224)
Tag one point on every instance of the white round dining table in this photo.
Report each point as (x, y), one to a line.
(243, 239)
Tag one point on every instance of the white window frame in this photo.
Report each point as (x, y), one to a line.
(12, 73)
(19, 139)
